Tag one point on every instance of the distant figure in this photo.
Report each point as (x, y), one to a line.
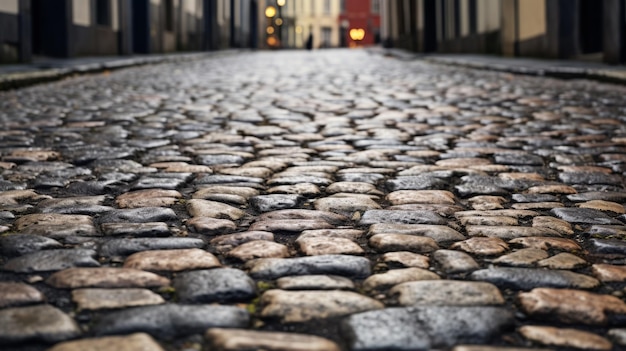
(309, 41)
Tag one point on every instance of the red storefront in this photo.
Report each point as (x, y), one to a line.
(359, 22)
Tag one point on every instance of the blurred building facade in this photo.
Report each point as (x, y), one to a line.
(320, 18)
(563, 29)
(71, 28)
(359, 22)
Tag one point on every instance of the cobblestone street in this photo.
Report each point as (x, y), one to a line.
(326, 200)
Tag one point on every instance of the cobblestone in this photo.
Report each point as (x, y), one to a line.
(302, 197)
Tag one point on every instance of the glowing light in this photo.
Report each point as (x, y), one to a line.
(272, 41)
(269, 30)
(357, 34)
(280, 2)
(299, 29)
(270, 11)
(279, 21)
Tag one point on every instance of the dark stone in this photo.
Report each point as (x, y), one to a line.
(420, 182)
(584, 215)
(171, 320)
(150, 182)
(221, 179)
(215, 285)
(534, 198)
(371, 178)
(401, 217)
(319, 181)
(599, 195)
(139, 215)
(518, 159)
(344, 265)
(425, 328)
(211, 160)
(21, 244)
(608, 246)
(530, 278)
(591, 178)
(125, 247)
(35, 323)
(151, 229)
(52, 260)
(267, 203)
(90, 188)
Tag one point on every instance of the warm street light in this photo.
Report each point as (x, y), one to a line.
(279, 21)
(280, 2)
(270, 30)
(357, 34)
(270, 11)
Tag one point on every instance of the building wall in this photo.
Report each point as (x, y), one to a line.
(358, 15)
(9, 31)
(313, 19)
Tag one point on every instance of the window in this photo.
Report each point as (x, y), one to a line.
(342, 6)
(103, 12)
(375, 6)
(327, 7)
(326, 33)
(169, 15)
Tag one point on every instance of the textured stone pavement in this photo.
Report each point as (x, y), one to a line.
(334, 200)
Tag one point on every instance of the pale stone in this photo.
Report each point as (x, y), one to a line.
(227, 242)
(36, 323)
(205, 208)
(482, 246)
(405, 259)
(609, 273)
(346, 205)
(306, 189)
(402, 197)
(489, 221)
(312, 246)
(396, 276)
(13, 197)
(564, 337)
(137, 341)
(56, 225)
(558, 225)
(537, 205)
(446, 293)
(544, 243)
(505, 212)
(244, 192)
(572, 306)
(353, 187)
(210, 226)
(289, 225)
(351, 234)
(562, 260)
(452, 261)
(303, 306)
(551, 189)
(495, 348)
(259, 249)
(171, 260)
(105, 277)
(603, 206)
(487, 202)
(508, 232)
(439, 233)
(315, 282)
(15, 294)
(402, 242)
(522, 258)
(97, 299)
(242, 340)
(148, 198)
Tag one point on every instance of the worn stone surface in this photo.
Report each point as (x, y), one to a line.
(137, 341)
(258, 249)
(171, 260)
(36, 323)
(215, 285)
(105, 277)
(240, 339)
(303, 306)
(424, 328)
(446, 293)
(344, 265)
(572, 306)
(15, 294)
(565, 337)
(528, 278)
(315, 282)
(383, 170)
(393, 277)
(171, 320)
(96, 299)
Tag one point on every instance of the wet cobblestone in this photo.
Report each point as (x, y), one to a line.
(328, 200)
